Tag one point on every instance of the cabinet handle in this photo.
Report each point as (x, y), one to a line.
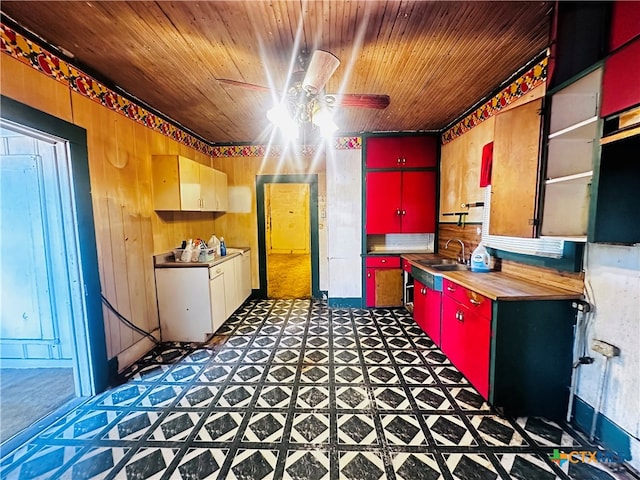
(368, 274)
(424, 291)
(404, 212)
(474, 301)
(399, 161)
(383, 261)
(397, 211)
(450, 288)
(404, 160)
(460, 316)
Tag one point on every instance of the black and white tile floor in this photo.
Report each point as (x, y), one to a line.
(292, 389)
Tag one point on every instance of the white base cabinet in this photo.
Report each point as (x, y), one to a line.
(194, 301)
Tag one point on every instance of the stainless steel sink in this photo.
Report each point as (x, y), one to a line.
(437, 261)
(449, 267)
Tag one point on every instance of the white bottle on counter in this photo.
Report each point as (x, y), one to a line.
(214, 243)
(186, 253)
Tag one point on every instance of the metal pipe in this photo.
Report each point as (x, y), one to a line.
(596, 411)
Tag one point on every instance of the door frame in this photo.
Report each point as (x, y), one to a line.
(93, 322)
(312, 181)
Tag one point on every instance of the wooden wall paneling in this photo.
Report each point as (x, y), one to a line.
(145, 205)
(116, 231)
(84, 113)
(467, 233)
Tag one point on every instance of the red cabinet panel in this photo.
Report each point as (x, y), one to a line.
(371, 287)
(416, 151)
(426, 310)
(418, 202)
(400, 202)
(620, 84)
(625, 22)
(383, 197)
(466, 334)
(382, 261)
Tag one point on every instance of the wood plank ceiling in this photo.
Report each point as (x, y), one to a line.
(434, 59)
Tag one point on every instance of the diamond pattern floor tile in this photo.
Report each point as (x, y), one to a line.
(293, 389)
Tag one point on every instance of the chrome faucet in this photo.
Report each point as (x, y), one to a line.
(461, 259)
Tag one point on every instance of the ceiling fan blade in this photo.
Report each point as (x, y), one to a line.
(251, 86)
(321, 67)
(362, 100)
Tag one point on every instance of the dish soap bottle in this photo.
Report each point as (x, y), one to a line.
(223, 247)
(480, 259)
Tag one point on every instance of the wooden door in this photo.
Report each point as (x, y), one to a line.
(514, 176)
(383, 202)
(418, 202)
(189, 184)
(388, 287)
(208, 194)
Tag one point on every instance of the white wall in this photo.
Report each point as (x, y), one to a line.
(344, 223)
(612, 283)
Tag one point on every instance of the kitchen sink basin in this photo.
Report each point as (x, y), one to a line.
(449, 267)
(437, 261)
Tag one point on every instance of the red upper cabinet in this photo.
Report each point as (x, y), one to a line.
(411, 151)
(620, 81)
(625, 23)
(400, 202)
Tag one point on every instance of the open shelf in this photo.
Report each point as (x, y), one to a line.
(575, 178)
(584, 130)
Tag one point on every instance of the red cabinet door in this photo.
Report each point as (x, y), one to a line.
(383, 207)
(370, 285)
(419, 151)
(620, 81)
(452, 331)
(418, 202)
(419, 304)
(384, 152)
(432, 313)
(625, 22)
(476, 342)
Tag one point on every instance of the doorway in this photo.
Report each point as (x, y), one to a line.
(288, 235)
(48, 336)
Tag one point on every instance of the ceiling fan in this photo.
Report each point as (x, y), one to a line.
(305, 100)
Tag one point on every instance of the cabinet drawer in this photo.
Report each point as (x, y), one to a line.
(383, 262)
(215, 271)
(474, 301)
(406, 266)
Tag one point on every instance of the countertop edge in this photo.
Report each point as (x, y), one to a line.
(461, 278)
(165, 260)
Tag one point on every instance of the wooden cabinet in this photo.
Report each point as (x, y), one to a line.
(383, 281)
(514, 177)
(400, 202)
(571, 146)
(621, 81)
(518, 354)
(410, 151)
(427, 310)
(180, 184)
(466, 333)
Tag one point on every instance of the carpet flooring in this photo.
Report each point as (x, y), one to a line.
(295, 390)
(28, 394)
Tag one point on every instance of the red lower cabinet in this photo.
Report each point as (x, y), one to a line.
(466, 334)
(426, 310)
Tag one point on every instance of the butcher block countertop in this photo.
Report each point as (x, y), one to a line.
(496, 285)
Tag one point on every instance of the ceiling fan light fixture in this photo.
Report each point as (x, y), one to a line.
(321, 67)
(323, 119)
(279, 115)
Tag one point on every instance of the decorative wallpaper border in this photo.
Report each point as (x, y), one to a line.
(24, 50)
(533, 78)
